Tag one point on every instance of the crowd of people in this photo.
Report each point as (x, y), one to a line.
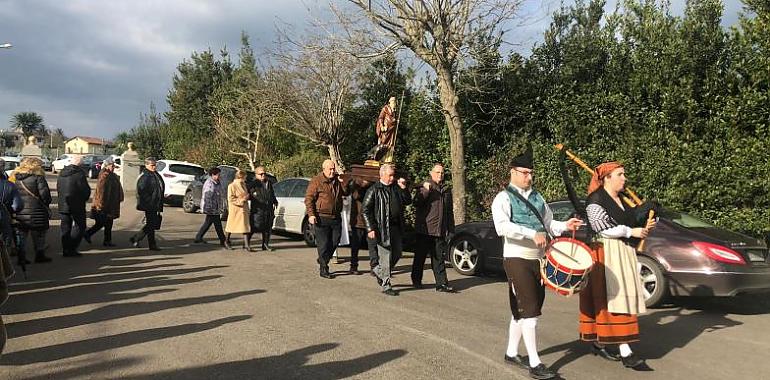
(610, 300)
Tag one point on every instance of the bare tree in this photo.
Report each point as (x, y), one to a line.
(316, 84)
(242, 110)
(438, 32)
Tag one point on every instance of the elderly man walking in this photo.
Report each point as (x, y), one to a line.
(323, 203)
(149, 198)
(434, 220)
(74, 192)
(384, 215)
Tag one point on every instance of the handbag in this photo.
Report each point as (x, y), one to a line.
(48, 209)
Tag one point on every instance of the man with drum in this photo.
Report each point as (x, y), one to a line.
(524, 240)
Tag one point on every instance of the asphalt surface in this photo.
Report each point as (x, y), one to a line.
(199, 312)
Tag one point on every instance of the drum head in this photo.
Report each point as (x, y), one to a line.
(570, 253)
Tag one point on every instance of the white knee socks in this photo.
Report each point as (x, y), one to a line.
(530, 339)
(514, 336)
(625, 350)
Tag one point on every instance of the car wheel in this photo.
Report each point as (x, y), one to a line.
(188, 205)
(654, 283)
(308, 234)
(465, 255)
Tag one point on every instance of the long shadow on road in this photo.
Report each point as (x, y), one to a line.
(116, 311)
(94, 345)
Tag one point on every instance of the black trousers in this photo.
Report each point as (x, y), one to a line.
(150, 221)
(360, 240)
(216, 220)
(102, 221)
(73, 225)
(433, 247)
(327, 237)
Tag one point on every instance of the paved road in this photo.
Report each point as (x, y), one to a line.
(198, 312)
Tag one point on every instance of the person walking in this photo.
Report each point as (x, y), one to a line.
(33, 219)
(211, 206)
(106, 204)
(359, 239)
(73, 190)
(434, 220)
(263, 204)
(238, 211)
(323, 205)
(383, 207)
(149, 198)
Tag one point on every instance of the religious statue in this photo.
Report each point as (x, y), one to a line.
(385, 129)
(31, 149)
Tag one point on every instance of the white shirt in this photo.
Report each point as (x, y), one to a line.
(518, 240)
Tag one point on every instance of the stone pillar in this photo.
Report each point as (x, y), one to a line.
(31, 149)
(129, 166)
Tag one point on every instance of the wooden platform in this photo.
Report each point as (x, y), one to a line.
(365, 172)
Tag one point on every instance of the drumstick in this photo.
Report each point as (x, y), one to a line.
(565, 255)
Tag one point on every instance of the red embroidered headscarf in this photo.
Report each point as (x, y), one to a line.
(600, 173)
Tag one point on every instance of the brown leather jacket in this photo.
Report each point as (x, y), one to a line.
(433, 210)
(324, 196)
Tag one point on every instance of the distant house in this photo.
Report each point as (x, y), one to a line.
(86, 145)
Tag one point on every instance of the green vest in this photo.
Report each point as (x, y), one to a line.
(521, 214)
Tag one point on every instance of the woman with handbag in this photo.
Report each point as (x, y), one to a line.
(33, 218)
(106, 205)
(238, 211)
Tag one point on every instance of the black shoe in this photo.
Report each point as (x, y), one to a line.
(109, 244)
(324, 272)
(390, 292)
(604, 354)
(632, 361)
(445, 289)
(354, 270)
(517, 360)
(43, 259)
(227, 245)
(72, 254)
(134, 242)
(541, 372)
(155, 248)
(87, 238)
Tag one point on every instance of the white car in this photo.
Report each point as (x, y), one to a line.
(290, 215)
(176, 176)
(11, 163)
(58, 164)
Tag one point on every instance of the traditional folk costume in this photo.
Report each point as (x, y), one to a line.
(518, 225)
(613, 296)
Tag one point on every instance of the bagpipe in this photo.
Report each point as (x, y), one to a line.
(568, 260)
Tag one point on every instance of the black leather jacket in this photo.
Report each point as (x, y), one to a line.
(377, 206)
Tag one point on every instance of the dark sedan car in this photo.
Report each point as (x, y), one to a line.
(683, 256)
(93, 165)
(192, 197)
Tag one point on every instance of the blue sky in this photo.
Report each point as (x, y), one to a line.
(91, 67)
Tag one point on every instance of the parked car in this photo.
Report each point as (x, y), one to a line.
(58, 164)
(46, 163)
(93, 164)
(177, 176)
(290, 215)
(11, 163)
(683, 256)
(192, 197)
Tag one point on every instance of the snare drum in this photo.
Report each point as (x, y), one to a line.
(566, 265)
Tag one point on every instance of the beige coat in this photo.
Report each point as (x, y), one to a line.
(237, 208)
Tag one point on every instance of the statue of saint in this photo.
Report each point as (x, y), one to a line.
(385, 129)
(31, 140)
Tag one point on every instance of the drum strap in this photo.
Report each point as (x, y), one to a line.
(532, 208)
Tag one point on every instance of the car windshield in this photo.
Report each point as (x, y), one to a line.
(685, 220)
(186, 169)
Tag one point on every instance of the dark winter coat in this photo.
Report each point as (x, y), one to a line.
(383, 207)
(36, 196)
(433, 210)
(108, 195)
(358, 190)
(263, 204)
(73, 190)
(149, 192)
